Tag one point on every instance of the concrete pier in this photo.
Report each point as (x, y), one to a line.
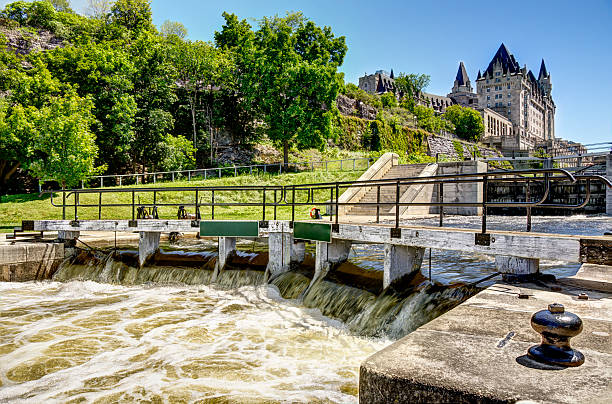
(516, 268)
(227, 246)
(279, 253)
(329, 254)
(400, 261)
(477, 351)
(148, 245)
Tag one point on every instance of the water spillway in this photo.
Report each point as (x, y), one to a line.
(105, 330)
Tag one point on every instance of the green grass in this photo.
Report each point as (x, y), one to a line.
(15, 208)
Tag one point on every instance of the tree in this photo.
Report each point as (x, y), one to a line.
(173, 28)
(99, 8)
(388, 100)
(64, 147)
(135, 15)
(289, 72)
(411, 86)
(468, 122)
(61, 5)
(201, 68)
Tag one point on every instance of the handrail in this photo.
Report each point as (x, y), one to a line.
(199, 171)
(281, 193)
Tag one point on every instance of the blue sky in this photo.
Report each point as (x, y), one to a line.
(574, 38)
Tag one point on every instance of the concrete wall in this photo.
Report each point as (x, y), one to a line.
(461, 192)
(608, 190)
(28, 262)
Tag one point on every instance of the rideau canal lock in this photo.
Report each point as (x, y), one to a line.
(409, 290)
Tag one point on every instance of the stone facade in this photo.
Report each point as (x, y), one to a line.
(514, 92)
(351, 107)
(378, 83)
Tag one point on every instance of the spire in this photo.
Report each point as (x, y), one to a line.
(392, 76)
(505, 59)
(462, 77)
(543, 71)
(479, 75)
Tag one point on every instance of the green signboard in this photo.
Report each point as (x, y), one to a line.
(229, 228)
(312, 231)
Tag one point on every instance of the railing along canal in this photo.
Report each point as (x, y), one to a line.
(292, 196)
(348, 164)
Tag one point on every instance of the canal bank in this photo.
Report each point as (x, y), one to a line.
(476, 352)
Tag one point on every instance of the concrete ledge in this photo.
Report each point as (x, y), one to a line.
(28, 262)
(477, 353)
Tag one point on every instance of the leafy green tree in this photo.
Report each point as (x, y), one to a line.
(64, 147)
(177, 154)
(467, 121)
(61, 5)
(388, 100)
(173, 28)
(99, 8)
(411, 85)
(290, 75)
(135, 15)
(200, 70)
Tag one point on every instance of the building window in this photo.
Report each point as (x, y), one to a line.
(488, 105)
(488, 89)
(508, 86)
(488, 97)
(487, 81)
(497, 73)
(509, 103)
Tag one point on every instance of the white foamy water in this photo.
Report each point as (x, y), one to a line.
(92, 342)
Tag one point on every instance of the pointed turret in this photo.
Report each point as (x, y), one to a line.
(505, 60)
(462, 81)
(479, 75)
(392, 76)
(543, 71)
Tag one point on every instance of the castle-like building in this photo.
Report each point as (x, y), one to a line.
(517, 108)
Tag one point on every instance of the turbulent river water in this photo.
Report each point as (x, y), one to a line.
(102, 331)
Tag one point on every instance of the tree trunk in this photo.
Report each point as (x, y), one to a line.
(286, 153)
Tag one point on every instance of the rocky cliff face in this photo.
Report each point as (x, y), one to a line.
(350, 107)
(24, 41)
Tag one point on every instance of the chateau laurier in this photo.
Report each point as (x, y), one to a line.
(517, 108)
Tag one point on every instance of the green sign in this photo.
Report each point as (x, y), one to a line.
(312, 231)
(229, 228)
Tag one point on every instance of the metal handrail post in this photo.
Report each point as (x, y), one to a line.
(63, 203)
(484, 203)
(293, 204)
(264, 204)
(378, 204)
(397, 200)
(528, 199)
(275, 203)
(441, 201)
(197, 206)
(76, 203)
(331, 206)
(100, 206)
(212, 205)
(337, 200)
(133, 205)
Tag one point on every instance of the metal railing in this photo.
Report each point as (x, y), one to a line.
(348, 164)
(292, 196)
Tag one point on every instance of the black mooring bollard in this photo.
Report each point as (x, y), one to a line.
(557, 327)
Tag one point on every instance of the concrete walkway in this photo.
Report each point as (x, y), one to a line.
(477, 351)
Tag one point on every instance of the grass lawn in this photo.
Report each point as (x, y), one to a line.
(15, 208)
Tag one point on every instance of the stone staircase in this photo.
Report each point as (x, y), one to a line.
(387, 193)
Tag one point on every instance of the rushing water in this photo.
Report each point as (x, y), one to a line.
(104, 331)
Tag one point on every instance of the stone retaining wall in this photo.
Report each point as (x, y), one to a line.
(29, 261)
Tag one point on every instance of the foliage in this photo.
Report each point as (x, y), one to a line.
(178, 153)
(356, 93)
(458, 149)
(64, 147)
(169, 28)
(467, 121)
(289, 74)
(134, 15)
(412, 85)
(388, 100)
(429, 121)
